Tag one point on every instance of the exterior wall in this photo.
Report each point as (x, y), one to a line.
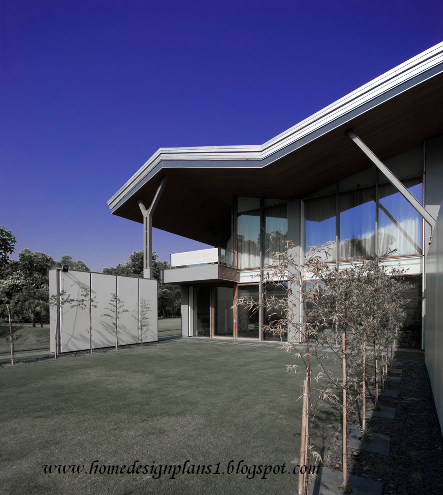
(433, 180)
(295, 234)
(185, 310)
(75, 321)
(434, 316)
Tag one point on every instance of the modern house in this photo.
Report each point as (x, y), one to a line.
(366, 172)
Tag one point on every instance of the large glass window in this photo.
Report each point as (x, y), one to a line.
(202, 311)
(247, 321)
(223, 313)
(276, 312)
(276, 226)
(248, 228)
(357, 224)
(320, 222)
(400, 226)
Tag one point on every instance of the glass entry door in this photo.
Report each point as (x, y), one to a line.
(201, 311)
(223, 299)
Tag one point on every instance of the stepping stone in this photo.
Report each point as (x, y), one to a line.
(397, 363)
(328, 481)
(389, 393)
(380, 444)
(394, 378)
(386, 412)
(397, 371)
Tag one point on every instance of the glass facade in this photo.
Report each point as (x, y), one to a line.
(223, 312)
(321, 221)
(201, 311)
(248, 240)
(250, 226)
(248, 321)
(274, 314)
(276, 227)
(399, 225)
(357, 224)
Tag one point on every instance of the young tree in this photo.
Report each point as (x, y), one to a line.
(142, 316)
(61, 303)
(113, 312)
(86, 301)
(10, 287)
(360, 301)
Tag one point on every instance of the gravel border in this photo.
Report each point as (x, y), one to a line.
(415, 463)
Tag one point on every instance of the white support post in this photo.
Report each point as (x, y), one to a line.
(393, 179)
(147, 228)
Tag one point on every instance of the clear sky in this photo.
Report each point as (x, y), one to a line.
(90, 89)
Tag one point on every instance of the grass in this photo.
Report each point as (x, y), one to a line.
(164, 404)
(37, 338)
(168, 327)
(31, 339)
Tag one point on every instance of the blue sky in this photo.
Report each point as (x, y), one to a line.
(89, 90)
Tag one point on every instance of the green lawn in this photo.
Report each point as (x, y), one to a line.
(168, 327)
(37, 339)
(30, 339)
(163, 404)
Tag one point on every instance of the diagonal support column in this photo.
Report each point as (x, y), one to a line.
(147, 228)
(393, 179)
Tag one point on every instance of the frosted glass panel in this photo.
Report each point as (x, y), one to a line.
(357, 224)
(320, 222)
(400, 226)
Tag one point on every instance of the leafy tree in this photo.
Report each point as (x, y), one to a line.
(7, 243)
(78, 265)
(34, 267)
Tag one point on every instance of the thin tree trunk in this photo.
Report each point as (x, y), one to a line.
(90, 328)
(11, 336)
(33, 321)
(392, 353)
(364, 382)
(345, 426)
(376, 381)
(301, 477)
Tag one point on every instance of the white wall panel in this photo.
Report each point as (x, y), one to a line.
(434, 316)
(74, 320)
(148, 291)
(53, 274)
(103, 332)
(127, 290)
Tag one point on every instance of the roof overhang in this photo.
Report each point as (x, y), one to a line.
(393, 113)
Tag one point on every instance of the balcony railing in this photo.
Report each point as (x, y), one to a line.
(220, 256)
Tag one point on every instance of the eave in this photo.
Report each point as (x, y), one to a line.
(392, 113)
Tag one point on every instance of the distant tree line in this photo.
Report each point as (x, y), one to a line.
(24, 283)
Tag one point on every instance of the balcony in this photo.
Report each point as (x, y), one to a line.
(213, 265)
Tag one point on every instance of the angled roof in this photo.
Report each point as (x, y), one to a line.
(393, 113)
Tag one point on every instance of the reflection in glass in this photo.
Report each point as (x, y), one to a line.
(400, 226)
(202, 311)
(248, 226)
(272, 315)
(320, 222)
(357, 224)
(247, 321)
(276, 218)
(223, 313)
